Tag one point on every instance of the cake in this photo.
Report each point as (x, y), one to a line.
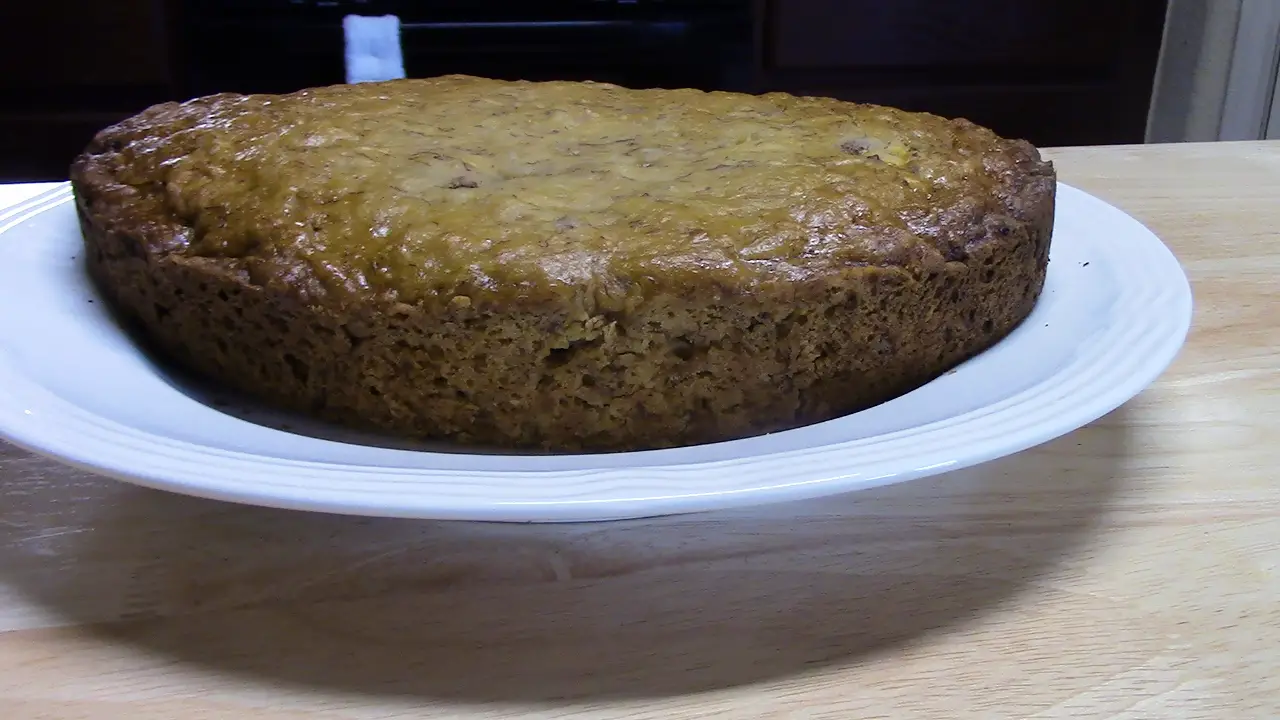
(569, 266)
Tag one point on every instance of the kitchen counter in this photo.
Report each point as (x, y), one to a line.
(1128, 570)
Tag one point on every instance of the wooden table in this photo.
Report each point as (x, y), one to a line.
(1129, 570)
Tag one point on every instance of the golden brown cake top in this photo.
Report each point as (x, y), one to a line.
(461, 185)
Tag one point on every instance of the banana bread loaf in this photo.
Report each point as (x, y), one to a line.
(563, 265)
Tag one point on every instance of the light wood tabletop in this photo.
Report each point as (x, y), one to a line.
(1128, 570)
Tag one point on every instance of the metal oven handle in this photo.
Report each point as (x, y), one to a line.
(659, 26)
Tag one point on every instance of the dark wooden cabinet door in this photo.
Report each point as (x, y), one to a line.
(1056, 72)
(71, 67)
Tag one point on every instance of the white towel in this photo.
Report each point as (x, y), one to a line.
(372, 48)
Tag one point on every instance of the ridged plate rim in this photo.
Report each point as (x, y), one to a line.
(1127, 349)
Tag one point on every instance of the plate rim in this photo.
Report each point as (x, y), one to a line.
(58, 444)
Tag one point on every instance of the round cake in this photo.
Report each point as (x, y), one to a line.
(563, 265)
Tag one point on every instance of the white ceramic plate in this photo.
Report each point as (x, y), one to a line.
(1115, 310)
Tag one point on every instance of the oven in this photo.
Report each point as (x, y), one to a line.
(285, 45)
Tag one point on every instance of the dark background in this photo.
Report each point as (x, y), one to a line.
(1056, 72)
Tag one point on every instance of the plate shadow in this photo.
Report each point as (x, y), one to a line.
(490, 612)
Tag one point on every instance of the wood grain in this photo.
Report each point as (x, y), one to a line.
(1128, 570)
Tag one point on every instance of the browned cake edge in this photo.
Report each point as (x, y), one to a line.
(687, 365)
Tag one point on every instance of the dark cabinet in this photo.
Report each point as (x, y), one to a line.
(70, 67)
(1056, 72)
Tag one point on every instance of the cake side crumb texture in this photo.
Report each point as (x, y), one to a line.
(563, 265)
